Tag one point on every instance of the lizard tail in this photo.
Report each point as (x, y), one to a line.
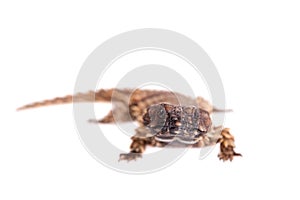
(91, 96)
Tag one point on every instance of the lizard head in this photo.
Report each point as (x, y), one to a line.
(156, 116)
(174, 122)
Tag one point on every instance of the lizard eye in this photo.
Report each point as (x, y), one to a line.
(161, 113)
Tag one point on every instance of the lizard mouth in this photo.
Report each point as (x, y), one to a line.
(177, 138)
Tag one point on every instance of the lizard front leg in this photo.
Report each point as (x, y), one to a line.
(140, 140)
(137, 147)
(222, 136)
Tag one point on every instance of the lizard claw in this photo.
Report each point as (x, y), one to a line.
(228, 154)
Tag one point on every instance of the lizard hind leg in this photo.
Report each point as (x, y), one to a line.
(107, 119)
(116, 115)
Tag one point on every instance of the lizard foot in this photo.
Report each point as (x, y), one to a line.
(227, 146)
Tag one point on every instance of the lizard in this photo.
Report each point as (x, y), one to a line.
(133, 105)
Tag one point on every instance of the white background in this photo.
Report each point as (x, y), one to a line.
(255, 46)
